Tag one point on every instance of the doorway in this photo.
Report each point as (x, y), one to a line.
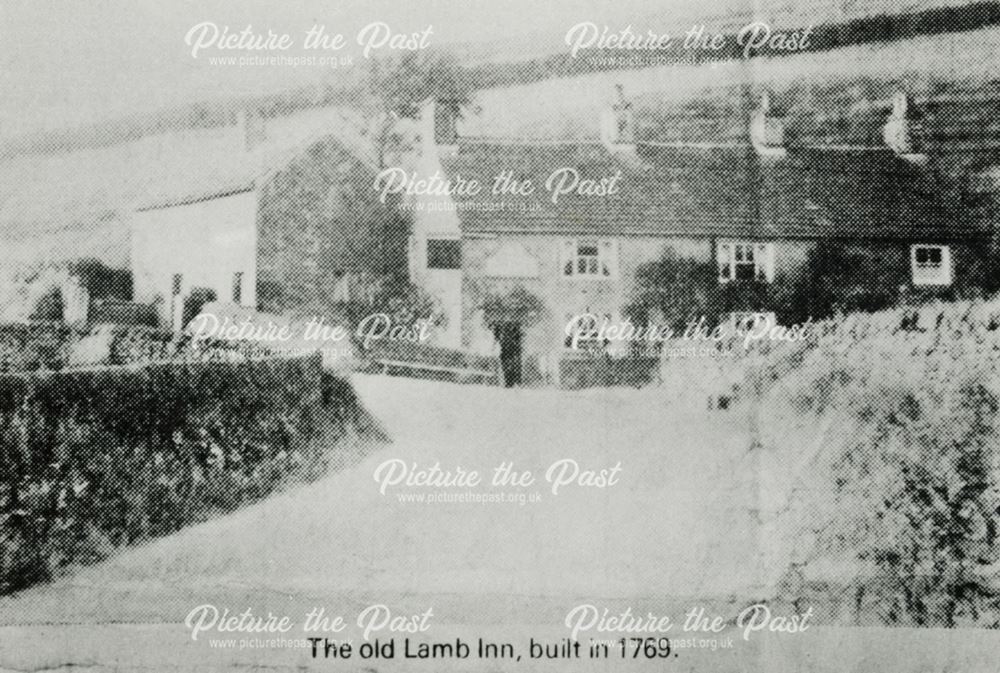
(508, 335)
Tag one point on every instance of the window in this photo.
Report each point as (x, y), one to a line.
(745, 260)
(589, 258)
(931, 264)
(238, 287)
(444, 254)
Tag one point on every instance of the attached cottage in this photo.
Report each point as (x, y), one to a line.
(756, 208)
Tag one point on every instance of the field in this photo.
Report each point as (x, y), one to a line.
(960, 65)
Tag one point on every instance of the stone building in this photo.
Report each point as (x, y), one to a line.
(283, 223)
(599, 210)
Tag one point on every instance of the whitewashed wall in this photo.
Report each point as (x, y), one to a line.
(206, 242)
(435, 217)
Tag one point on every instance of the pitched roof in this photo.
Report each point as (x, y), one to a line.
(961, 122)
(713, 190)
(59, 191)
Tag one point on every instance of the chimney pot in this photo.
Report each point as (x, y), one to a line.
(767, 131)
(251, 127)
(899, 129)
(618, 122)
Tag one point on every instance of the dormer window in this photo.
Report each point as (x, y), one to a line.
(931, 264)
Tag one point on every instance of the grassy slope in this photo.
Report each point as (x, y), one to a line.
(709, 102)
(818, 85)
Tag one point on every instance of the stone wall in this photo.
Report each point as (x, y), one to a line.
(319, 219)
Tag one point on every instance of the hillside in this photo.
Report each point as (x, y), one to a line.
(878, 455)
(726, 16)
(71, 202)
(712, 101)
(76, 203)
(540, 56)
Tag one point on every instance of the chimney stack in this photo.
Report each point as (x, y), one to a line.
(900, 130)
(446, 113)
(767, 130)
(251, 127)
(618, 122)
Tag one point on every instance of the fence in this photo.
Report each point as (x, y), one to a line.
(424, 361)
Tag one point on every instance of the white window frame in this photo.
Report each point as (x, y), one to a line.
(603, 266)
(927, 273)
(731, 253)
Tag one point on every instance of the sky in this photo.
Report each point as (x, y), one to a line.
(64, 63)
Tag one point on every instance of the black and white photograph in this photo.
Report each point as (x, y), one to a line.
(500, 335)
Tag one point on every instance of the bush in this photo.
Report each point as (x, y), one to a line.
(517, 305)
(32, 346)
(31, 291)
(918, 485)
(95, 459)
(395, 296)
(834, 279)
(34, 291)
(48, 307)
(893, 419)
(101, 281)
(681, 289)
(198, 297)
(26, 347)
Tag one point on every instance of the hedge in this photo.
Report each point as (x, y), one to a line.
(30, 346)
(91, 460)
(51, 345)
(878, 454)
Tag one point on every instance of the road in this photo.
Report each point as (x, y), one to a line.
(675, 529)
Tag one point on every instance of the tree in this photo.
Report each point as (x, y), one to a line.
(681, 289)
(515, 306)
(399, 86)
(835, 279)
(102, 281)
(325, 195)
